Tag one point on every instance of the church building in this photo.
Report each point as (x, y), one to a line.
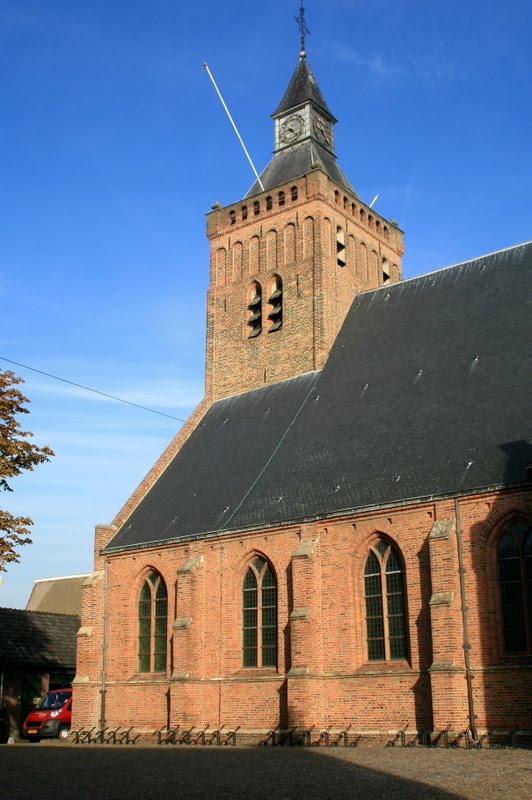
(341, 533)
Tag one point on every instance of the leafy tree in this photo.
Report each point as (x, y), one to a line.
(17, 454)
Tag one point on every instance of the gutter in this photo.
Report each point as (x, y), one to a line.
(103, 686)
(465, 629)
(320, 517)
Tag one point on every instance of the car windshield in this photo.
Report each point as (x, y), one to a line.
(54, 700)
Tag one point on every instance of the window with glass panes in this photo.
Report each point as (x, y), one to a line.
(259, 612)
(384, 590)
(153, 607)
(514, 558)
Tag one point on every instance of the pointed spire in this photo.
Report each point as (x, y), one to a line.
(303, 88)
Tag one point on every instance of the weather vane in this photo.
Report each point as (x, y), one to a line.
(302, 25)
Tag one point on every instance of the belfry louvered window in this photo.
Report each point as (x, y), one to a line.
(340, 246)
(153, 608)
(514, 558)
(384, 589)
(259, 616)
(275, 305)
(254, 308)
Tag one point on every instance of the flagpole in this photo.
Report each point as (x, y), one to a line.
(209, 73)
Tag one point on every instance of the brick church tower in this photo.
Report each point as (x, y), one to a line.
(288, 259)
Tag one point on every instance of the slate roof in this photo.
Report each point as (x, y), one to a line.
(37, 638)
(426, 393)
(296, 161)
(302, 88)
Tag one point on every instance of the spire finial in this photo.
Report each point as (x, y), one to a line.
(302, 24)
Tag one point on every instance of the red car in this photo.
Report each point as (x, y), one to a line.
(51, 717)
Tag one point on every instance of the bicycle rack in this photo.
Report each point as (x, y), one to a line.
(199, 737)
(214, 736)
(400, 737)
(229, 737)
(340, 737)
(300, 738)
(464, 736)
(184, 737)
(112, 736)
(323, 738)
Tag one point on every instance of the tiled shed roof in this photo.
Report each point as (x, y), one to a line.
(37, 638)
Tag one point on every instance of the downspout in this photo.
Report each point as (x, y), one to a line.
(103, 688)
(466, 643)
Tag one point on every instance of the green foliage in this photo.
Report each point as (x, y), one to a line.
(17, 455)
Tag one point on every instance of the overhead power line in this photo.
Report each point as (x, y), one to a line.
(89, 389)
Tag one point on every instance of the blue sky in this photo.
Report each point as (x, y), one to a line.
(113, 146)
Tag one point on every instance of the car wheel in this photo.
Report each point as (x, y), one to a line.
(64, 732)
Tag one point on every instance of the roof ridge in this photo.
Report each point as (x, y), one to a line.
(438, 270)
(62, 577)
(267, 385)
(43, 613)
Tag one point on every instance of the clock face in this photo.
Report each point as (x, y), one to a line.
(292, 128)
(323, 130)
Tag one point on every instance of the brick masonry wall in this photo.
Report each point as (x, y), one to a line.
(323, 676)
(298, 242)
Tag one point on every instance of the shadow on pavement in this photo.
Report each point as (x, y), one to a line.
(107, 773)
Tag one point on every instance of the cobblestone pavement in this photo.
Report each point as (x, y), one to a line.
(119, 773)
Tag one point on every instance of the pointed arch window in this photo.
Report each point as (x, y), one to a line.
(275, 305)
(514, 561)
(254, 309)
(385, 597)
(259, 615)
(153, 612)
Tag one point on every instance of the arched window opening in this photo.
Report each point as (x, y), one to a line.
(293, 193)
(259, 616)
(238, 259)
(221, 266)
(514, 558)
(336, 196)
(256, 208)
(340, 246)
(362, 215)
(385, 597)
(269, 203)
(289, 241)
(346, 202)
(275, 305)
(281, 199)
(232, 217)
(364, 262)
(254, 255)
(254, 308)
(244, 212)
(152, 608)
(353, 209)
(386, 274)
